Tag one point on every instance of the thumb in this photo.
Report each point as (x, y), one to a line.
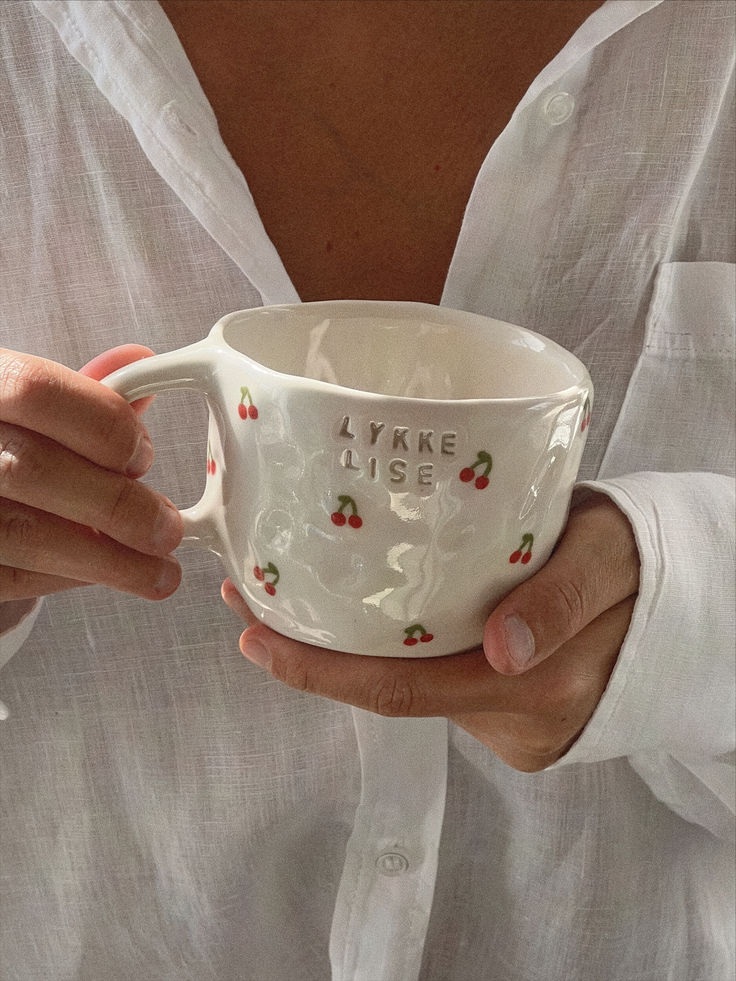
(117, 357)
(594, 567)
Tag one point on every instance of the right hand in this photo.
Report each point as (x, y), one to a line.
(72, 511)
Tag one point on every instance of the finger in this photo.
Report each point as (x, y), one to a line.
(17, 584)
(595, 566)
(117, 357)
(397, 687)
(553, 702)
(39, 542)
(73, 410)
(37, 471)
(236, 602)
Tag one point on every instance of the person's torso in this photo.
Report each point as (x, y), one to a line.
(171, 813)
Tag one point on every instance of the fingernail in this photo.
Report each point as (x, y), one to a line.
(142, 457)
(167, 530)
(169, 578)
(519, 641)
(256, 652)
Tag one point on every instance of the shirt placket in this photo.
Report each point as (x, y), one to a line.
(385, 895)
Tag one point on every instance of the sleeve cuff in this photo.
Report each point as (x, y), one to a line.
(672, 690)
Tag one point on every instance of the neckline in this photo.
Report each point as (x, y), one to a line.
(152, 84)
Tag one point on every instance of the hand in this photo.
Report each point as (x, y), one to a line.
(529, 693)
(71, 509)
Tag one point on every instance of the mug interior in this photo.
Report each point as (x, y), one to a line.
(409, 350)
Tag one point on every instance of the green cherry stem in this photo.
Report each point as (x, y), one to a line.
(486, 459)
(417, 628)
(346, 501)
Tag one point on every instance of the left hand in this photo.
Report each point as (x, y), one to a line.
(548, 651)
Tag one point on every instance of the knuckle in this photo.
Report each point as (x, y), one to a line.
(292, 672)
(14, 457)
(18, 529)
(119, 429)
(21, 460)
(570, 599)
(17, 583)
(31, 387)
(121, 509)
(23, 377)
(393, 696)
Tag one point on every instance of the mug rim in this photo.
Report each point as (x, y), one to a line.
(561, 395)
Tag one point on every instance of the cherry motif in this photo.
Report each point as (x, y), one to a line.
(211, 465)
(246, 410)
(586, 415)
(339, 518)
(411, 638)
(484, 460)
(261, 574)
(523, 553)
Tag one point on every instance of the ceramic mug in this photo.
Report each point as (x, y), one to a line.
(379, 474)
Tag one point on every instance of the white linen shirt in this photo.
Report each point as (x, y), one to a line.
(170, 812)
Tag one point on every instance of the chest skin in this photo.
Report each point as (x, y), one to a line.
(360, 125)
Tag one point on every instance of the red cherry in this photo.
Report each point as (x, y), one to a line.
(338, 518)
(410, 641)
(213, 467)
(270, 588)
(526, 557)
(258, 573)
(425, 638)
(515, 556)
(354, 521)
(481, 482)
(252, 412)
(243, 410)
(467, 474)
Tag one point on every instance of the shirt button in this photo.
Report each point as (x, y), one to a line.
(392, 863)
(558, 108)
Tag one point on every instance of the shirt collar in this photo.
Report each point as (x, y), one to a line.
(134, 55)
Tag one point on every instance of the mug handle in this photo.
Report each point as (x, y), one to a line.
(188, 367)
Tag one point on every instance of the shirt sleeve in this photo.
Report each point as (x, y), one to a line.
(17, 618)
(669, 705)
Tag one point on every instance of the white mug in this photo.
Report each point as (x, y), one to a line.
(379, 474)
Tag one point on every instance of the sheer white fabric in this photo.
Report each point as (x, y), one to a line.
(169, 812)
